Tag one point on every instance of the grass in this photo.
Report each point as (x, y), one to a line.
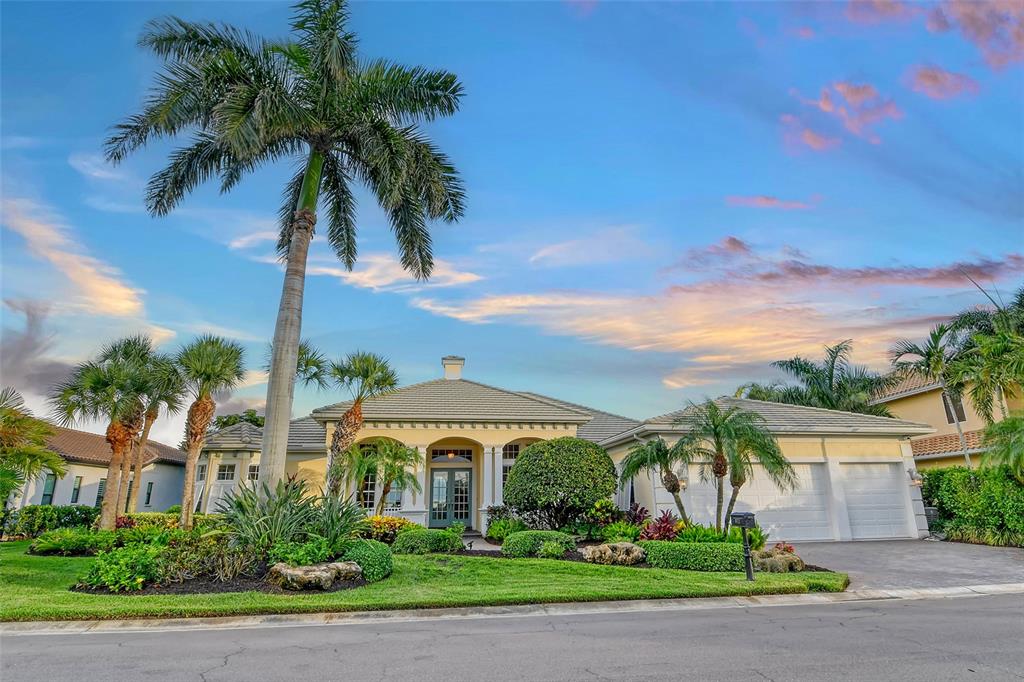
(36, 588)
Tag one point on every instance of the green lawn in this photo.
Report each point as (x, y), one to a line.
(36, 588)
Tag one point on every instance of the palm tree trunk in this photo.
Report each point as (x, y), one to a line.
(342, 439)
(670, 482)
(126, 477)
(200, 414)
(120, 439)
(140, 461)
(956, 422)
(720, 481)
(732, 505)
(288, 329)
(383, 496)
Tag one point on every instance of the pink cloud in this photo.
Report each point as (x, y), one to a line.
(797, 134)
(859, 107)
(798, 273)
(764, 201)
(804, 33)
(878, 11)
(937, 83)
(856, 93)
(995, 27)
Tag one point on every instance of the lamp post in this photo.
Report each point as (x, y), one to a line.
(745, 521)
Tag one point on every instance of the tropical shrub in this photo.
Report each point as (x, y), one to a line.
(584, 530)
(665, 527)
(427, 541)
(528, 542)
(35, 519)
(498, 530)
(373, 557)
(339, 521)
(174, 509)
(258, 517)
(306, 553)
(621, 530)
(694, 556)
(77, 541)
(983, 506)
(191, 555)
(699, 533)
(637, 515)
(386, 528)
(497, 512)
(604, 512)
(758, 537)
(124, 522)
(551, 550)
(559, 480)
(125, 569)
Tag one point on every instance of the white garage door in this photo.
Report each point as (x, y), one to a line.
(876, 500)
(801, 514)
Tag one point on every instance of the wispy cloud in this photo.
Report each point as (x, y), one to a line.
(937, 83)
(766, 201)
(95, 167)
(878, 11)
(253, 238)
(384, 272)
(797, 134)
(604, 246)
(858, 106)
(97, 286)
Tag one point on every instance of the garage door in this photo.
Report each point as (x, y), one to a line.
(876, 500)
(801, 514)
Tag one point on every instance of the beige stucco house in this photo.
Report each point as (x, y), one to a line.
(919, 400)
(853, 468)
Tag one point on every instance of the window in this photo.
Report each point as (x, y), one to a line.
(958, 407)
(48, 485)
(99, 492)
(451, 455)
(76, 489)
(149, 493)
(394, 498)
(369, 490)
(200, 472)
(226, 472)
(508, 458)
(254, 472)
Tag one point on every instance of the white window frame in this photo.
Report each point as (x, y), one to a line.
(509, 454)
(223, 470)
(253, 472)
(200, 472)
(370, 491)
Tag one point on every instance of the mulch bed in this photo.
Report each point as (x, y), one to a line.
(243, 583)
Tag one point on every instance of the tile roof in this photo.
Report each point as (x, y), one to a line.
(458, 400)
(947, 444)
(781, 418)
(908, 385)
(303, 434)
(601, 425)
(92, 448)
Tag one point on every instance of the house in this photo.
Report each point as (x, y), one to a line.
(88, 456)
(920, 400)
(853, 469)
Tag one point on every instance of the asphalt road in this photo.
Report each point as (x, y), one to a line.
(976, 638)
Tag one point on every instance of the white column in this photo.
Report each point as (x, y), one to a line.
(839, 514)
(414, 504)
(499, 475)
(487, 473)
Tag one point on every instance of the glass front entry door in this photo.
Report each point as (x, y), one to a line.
(451, 496)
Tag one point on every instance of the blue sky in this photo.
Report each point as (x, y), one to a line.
(662, 198)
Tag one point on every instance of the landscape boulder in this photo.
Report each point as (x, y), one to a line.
(315, 577)
(615, 553)
(777, 560)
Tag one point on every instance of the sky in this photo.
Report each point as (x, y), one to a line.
(662, 198)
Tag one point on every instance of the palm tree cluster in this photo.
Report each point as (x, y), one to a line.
(248, 102)
(388, 462)
(24, 454)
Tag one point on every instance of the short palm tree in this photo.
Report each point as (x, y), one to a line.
(165, 392)
(655, 456)
(249, 102)
(395, 465)
(110, 390)
(931, 361)
(365, 375)
(726, 439)
(23, 450)
(990, 369)
(1004, 444)
(208, 365)
(350, 469)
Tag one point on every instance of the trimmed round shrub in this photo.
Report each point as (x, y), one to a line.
(551, 550)
(373, 557)
(301, 553)
(528, 543)
(427, 541)
(694, 556)
(560, 480)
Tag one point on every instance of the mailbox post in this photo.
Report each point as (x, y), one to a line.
(745, 521)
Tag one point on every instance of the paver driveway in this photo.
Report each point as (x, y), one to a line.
(916, 563)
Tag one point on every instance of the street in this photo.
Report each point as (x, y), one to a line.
(978, 638)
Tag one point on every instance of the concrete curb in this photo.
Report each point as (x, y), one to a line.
(72, 627)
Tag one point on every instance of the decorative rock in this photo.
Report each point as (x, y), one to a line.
(616, 553)
(777, 560)
(315, 577)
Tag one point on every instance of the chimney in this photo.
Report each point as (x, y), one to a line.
(453, 365)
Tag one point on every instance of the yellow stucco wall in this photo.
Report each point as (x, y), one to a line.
(808, 448)
(927, 408)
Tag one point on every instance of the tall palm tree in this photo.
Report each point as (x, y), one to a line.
(724, 437)
(23, 451)
(208, 365)
(165, 392)
(110, 390)
(931, 361)
(395, 463)
(249, 102)
(834, 383)
(656, 456)
(365, 375)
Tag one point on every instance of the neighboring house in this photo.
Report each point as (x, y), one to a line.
(87, 456)
(853, 469)
(919, 400)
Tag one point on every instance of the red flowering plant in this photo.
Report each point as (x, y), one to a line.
(665, 527)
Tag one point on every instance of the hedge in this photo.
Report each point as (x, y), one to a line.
(36, 519)
(983, 506)
(529, 542)
(373, 557)
(426, 541)
(694, 556)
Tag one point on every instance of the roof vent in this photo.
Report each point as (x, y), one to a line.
(453, 365)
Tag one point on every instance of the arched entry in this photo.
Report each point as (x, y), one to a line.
(453, 473)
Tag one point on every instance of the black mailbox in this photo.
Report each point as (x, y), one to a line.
(743, 520)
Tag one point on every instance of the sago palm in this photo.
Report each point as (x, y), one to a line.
(208, 365)
(721, 435)
(395, 464)
(655, 456)
(248, 102)
(24, 454)
(931, 361)
(365, 376)
(111, 391)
